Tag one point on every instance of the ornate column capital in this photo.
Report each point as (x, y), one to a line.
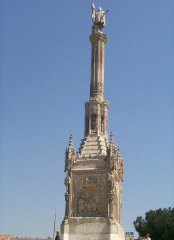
(98, 36)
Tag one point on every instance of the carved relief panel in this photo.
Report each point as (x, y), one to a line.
(88, 195)
(89, 200)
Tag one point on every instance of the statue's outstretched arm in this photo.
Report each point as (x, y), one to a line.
(93, 6)
(106, 11)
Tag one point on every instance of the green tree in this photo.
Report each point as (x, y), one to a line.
(159, 223)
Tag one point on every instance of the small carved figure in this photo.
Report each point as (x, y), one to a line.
(67, 182)
(86, 181)
(98, 17)
(90, 181)
(111, 180)
(99, 204)
(121, 189)
(91, 205)
(81, 204)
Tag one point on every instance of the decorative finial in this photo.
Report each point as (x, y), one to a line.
(111, 146)
(111, 137)
(118, 150)
(118, 154)
(70, 140)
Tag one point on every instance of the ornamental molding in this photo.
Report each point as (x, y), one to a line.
(83, 162)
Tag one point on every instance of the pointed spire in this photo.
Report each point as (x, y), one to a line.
(111, 142)
(115, 150)
(70, 155)
(70, 140)
(118, 151)
(111, 138)
(118, 154)
(111, 146)
(122, 163)
(70, 148)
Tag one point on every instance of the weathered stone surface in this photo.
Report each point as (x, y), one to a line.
(94, 173)
(92, 228)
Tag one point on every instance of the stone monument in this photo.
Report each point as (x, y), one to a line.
(94, 173)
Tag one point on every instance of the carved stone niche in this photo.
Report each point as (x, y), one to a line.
(87, 125)
(94, 122)
(102, 124)
(89, 202)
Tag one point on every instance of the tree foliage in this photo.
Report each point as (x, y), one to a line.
(159, 223)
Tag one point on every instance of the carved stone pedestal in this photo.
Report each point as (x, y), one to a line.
(91, 228)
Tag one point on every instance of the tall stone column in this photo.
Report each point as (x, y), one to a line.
(98, 40)
(96, 108)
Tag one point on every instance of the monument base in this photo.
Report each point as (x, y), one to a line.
(91, 228)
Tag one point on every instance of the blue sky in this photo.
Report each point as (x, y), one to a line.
(45, 76)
